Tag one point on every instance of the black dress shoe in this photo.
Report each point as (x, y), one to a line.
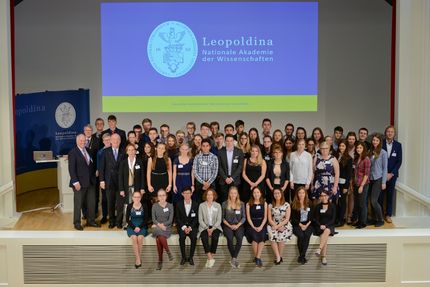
(104, 220)
(79, 227)
(119, 226)
(360, 226)
(137, 265)
(93, 224)
(379, 223)
(182, 261)
(111, 225)
(191, 261)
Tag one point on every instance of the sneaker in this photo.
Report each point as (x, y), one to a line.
(323, 260)
(207, 263)
(236, 264)
(233, 262)
(211, 263)
(169, 254)
(259, 263)
(159, 265)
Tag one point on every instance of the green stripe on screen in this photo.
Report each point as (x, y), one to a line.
(261, 103)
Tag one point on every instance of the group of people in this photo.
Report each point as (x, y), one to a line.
(264, 186)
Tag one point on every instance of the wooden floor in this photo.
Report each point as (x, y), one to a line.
(48, 220)
(37, 199)
(57, 220)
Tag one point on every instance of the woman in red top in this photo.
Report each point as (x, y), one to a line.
(361, 184)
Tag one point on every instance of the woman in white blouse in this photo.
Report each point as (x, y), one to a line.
(210, 217)
(301, 167)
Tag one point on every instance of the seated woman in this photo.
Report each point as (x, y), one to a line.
(234, 217)
(162, 218)
(256, 215)
(135, 215)
(279, 228)
(301, 219)
(324, 219)
(210, 216)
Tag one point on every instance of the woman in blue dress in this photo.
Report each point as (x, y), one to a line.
(182, 173)
(326, 172)
(136, 215)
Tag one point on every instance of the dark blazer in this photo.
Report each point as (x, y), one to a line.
(109, 168)
(120, 132)
(395, 158)
(182, 218)
(139, 175)
(79, 170)
(295, 216)
(236, 167)
(345, 171)
(328, 218)
(94, 147)
(285, 172)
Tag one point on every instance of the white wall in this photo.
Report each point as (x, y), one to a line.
(58, 47)
(7, 174)
(413, 102)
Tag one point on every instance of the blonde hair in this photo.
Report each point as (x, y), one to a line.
(259, 156)
(236, 203)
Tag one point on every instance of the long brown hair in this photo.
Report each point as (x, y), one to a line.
(165, 157)
(342, 158)
(252, 199)
(296, 201)
(376, 151)
(363, 154)
(282, 200)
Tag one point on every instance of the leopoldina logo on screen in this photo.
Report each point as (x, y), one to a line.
(172, 49)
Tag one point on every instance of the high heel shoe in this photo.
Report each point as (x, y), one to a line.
(137, 265)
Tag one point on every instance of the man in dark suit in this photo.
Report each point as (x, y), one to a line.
(187, 223)
(92, 145)
(394, 151)
(82, 180)
(109, 176)
(131, 178)
(230, 160)
(113, 129)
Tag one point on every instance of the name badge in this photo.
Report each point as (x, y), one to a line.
(137, 166)
(166, 209)
(308, 209)
(342, 181)
(215, 209)
(137, 152)
(138, 212)
(236, 161)
(323, 210)
(258, 207)
(180, 165)
(204, 163)
(193, 214)
(393, 154)
(237, 212)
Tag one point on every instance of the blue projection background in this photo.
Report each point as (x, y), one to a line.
(201, 49)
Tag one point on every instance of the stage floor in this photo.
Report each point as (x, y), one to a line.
(57, 220)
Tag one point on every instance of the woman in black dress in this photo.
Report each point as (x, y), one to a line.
(301, 219)
(159, 171)
(323, 220)
(256, 215)
(253, 173)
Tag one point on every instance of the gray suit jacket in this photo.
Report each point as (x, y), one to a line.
(204, 216)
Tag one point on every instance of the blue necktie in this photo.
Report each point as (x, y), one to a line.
(115, 154)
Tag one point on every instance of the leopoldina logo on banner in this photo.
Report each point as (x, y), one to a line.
(65, 115)
(172, 49)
